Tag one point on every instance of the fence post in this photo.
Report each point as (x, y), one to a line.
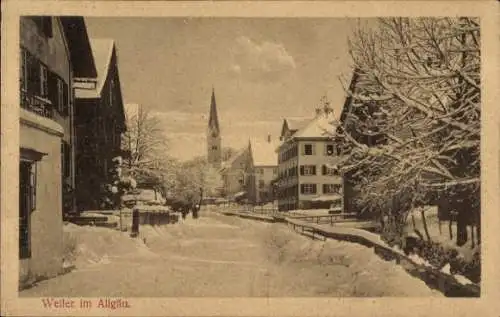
(135, 222)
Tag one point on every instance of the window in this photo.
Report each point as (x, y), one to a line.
(308, 189)
(332, 188)
(32, 74)
(308, 170)
(329, 149)
(308, 149)
(27, 204)
(214, 147)
(261, 183)
(261, 171)
(325, 170)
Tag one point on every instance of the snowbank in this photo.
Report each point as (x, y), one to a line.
(96, 245)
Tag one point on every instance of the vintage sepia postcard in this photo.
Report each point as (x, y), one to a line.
(249, 158)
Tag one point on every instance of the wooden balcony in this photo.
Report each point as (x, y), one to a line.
(37, 104)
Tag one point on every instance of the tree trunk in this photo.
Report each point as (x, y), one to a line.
(462, 225)
(450, 228)
(424, 222)
(413, 221)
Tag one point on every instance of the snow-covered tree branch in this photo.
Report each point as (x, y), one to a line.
(414, 119)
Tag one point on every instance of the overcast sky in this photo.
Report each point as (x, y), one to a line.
(262, 69)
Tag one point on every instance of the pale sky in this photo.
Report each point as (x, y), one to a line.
(262, 70)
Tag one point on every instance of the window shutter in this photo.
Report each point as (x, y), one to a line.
(67, 153)
(22, 69)
(53, 89)
(47, 26)
(303, 149)
(314, 188)
(302, 188)
(325, 189)
(313, 169)
(323, 169)
(313, 149)
(63, 160)
(33, 75)
(65, 98)
(301, 169)
(33, 186)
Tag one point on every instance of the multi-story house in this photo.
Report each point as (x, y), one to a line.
(262, 170)
(306, 178)
(53, 51)
(99, 123)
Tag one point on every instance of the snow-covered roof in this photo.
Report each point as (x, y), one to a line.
(320, 126)
(263, 152)
(297, 124)
(229, 163)
(102, 50)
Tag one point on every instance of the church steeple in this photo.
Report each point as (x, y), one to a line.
(214, 149)
(213, 120)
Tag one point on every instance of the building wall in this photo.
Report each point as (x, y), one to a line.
(266, 174)
(89, 174)
(317, 159)
(291, 196)
(54, 53)
(45, 135)
(46, 221)
(287, 183)
(99, 123)
(234, 176)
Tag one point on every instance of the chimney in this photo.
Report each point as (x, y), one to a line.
(268, 138)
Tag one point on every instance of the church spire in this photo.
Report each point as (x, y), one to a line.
(213, 120)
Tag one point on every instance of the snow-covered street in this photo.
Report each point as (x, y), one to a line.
(221, 256)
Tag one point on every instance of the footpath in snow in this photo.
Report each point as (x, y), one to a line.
(220, 256)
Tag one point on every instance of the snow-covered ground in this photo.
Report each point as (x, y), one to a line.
(220, 256)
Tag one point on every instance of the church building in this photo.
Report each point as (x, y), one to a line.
(214, 148)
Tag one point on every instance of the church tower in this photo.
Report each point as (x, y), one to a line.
(214, 150)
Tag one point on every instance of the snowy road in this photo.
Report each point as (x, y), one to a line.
(222, 256)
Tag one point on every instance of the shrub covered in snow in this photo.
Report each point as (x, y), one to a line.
(117, 185)
(437, 256)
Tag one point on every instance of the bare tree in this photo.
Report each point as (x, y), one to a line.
(146, 144)
(195, 178)
(413, 131)
(228, 153)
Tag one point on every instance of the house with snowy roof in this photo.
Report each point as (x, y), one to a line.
(306, 154)
(233, 174)
(99, 123)
(262, 170)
